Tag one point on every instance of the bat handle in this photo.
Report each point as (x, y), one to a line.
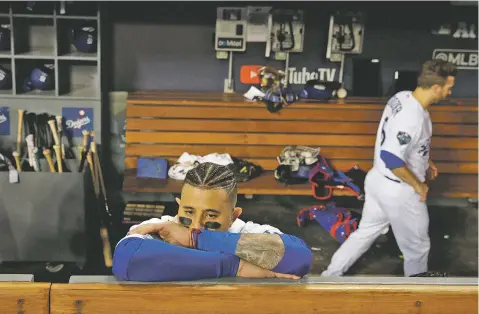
(36, 162)
(58, 154)
(54, 131)
(106, 247)
(59, 123)
(93, 174)
(19, 129)
(16, 155)
(85, 138)
(81, 151)
(60, 135)
(63, 150)
(93, 147)
(48, 156)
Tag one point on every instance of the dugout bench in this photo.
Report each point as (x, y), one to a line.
(168, 123)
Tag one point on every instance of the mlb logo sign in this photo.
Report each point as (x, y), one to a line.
(4, 121)
(77, 120)
(249, 74)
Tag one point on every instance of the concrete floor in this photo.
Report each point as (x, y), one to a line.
(453, 232)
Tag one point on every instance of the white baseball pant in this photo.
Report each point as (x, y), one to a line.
(387, 203)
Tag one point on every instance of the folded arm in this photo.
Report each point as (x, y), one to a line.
(150, 260)
(280, 253)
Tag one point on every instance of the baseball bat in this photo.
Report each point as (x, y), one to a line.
(16, 156)
(30, 152)
(89, 159)
(37, 160)
(58, 155)
(48, 156)
(107, 256)
(20, 130)
(83, 149)
(56, 147)
(53, 127)
(99, 175)
(60, 134)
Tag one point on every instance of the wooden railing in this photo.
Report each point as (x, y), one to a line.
(312, 295)
(352, 295)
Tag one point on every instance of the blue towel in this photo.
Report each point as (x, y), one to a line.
(156, 168)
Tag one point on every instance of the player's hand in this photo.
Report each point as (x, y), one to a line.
(422, 190)
(432, 172)
(248, 270)
(170, 232)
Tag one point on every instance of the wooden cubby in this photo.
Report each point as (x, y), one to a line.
(41, 32)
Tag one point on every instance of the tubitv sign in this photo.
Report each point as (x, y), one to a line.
(296, 76)
(301, 76)
(461, 58)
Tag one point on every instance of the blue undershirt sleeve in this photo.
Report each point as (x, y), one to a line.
(151, 260)
(297, 258)
(392, 161)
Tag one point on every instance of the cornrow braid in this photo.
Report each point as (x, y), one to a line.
(210, 176)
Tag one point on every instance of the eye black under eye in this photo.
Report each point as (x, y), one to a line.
(185, 221)
(212, 225)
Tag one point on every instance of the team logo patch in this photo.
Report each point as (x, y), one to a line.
(403, 138)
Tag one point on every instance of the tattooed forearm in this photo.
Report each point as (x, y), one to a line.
(263, 250)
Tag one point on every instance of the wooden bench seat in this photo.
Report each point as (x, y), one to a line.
(266, 184)
(166, 124)
(354, 295)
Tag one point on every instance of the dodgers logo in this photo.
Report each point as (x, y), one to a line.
(4, 121)
(77, 120)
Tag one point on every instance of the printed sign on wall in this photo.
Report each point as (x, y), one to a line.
(462, 31)
(461, 58)
(296, 76)
(4, 121)
(77, 120)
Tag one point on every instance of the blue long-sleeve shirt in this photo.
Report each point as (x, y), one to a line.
(142, 258)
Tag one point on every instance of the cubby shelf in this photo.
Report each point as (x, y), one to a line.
(41, 32)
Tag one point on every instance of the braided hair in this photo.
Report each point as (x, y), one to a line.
(211, 176)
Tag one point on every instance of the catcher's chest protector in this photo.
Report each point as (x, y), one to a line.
(338, 221)
(324, 179)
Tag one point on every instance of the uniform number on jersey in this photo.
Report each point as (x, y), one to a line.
(383, 132)
(424, 149)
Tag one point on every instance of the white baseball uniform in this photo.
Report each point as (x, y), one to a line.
(405, 131)
(238, 226)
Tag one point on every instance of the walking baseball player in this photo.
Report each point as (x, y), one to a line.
(395, 187)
